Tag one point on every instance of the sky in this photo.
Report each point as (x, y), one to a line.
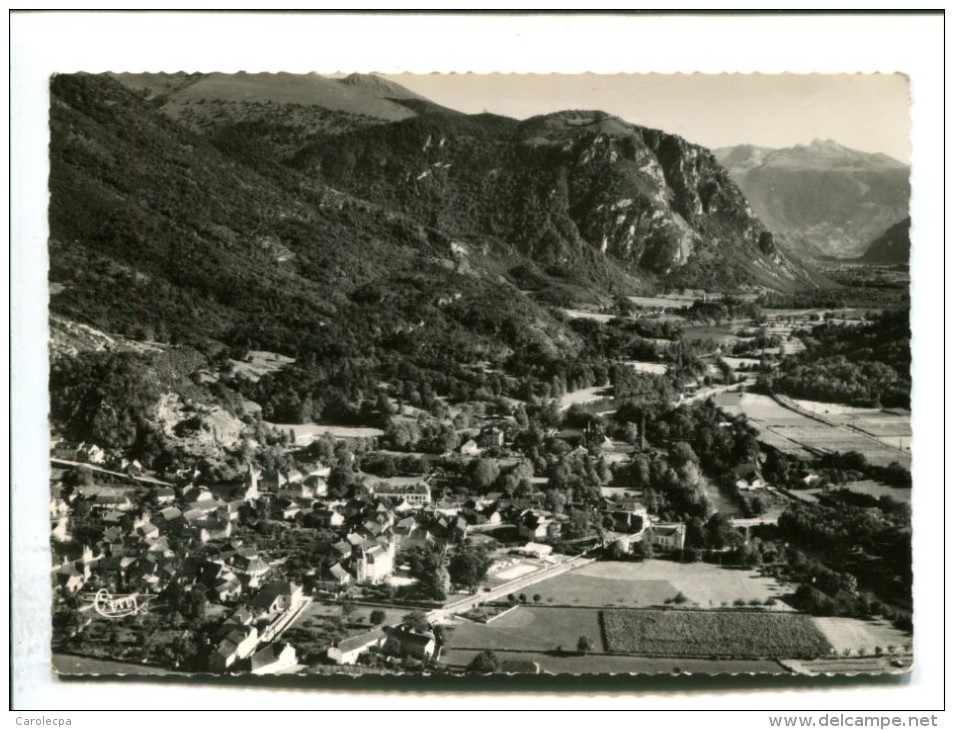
(868, 112)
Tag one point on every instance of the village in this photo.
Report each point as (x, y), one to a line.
(479, 558)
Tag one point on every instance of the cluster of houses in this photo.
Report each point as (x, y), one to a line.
(490, 437)
(130, 539)
(145, 535)
(249, 632)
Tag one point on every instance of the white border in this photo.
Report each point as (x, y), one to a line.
(45, 43)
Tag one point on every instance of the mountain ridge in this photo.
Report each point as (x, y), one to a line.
(893, 246)
(823, 198)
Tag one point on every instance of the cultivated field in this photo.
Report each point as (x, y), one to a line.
(585, 395)
(875, 489)
(305, 433)
(861, 637)
(531, 628)
(573, 663)
(595, 316)
(652, 582)
(74, 664)
(259, 363)
(741, 634)
(798, 434)
(654, 368)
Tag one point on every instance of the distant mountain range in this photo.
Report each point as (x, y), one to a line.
(281, 211)
(821, 199)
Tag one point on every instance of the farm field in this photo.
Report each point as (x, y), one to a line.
(743, 634)
(849, 665)
(798, 434)
(736, 362)
(585, 395)
(861, 637)
(595, 316)
(572, 663)
(530, 628)
(651, 582)
(259, 363)
(890, 426)
(75, 664)
(660, 301)
(654, 368)
(873, 488)
(305, 433)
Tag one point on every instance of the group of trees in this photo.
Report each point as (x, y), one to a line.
(436, 568)
(864, 365)
(866, 538)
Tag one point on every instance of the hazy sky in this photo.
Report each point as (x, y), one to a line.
(864, 111)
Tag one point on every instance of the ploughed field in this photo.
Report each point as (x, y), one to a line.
(798, 434)
(691, 633)
(703, 634)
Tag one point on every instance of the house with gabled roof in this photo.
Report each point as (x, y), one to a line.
(285, 509)
(167, 515)
(238, 644)
(417, 495)
(90, 454)
(373, 564)
(747, 477)
(70, 578)
(347, 651)
(277, 596)
(470, 448)
(274, 658)
(533, 525)
(404, 641)
(671, 536)
(327, 517)
(227, 586)
(249, 569)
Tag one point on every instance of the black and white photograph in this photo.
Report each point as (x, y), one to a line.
(376, 374)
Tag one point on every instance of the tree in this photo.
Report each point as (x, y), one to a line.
(584, 645)
(426, 564)
(486, 661)
(416, 621)
(483, 473)
(643, 550)
(377, 617)
(468, 565)
(719, 532)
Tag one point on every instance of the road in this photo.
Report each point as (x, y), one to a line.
(144, 479)
(714, 390)
(505, 589)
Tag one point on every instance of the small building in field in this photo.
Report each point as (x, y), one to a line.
(470, 448)
(747, 478)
